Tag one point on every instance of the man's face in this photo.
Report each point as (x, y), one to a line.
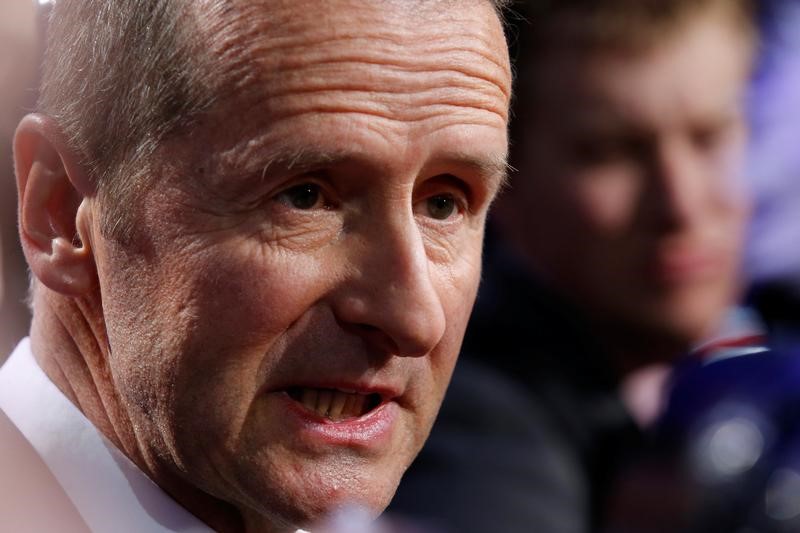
(285, 321)
(629, 179)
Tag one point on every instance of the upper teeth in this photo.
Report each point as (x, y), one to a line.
(333, 404)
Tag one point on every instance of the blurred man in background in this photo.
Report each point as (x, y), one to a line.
(616, 251)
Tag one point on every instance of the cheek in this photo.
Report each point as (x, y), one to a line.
(732, 202)
(238, 303)
(247, 296)
(726, 192)
(458, 289)
(459, 279)
(604, 200)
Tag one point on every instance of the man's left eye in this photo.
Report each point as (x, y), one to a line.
(441, 206)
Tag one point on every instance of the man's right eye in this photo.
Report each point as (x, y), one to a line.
(304, 196)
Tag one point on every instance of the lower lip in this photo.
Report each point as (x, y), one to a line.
(369, 432)
(686, 268)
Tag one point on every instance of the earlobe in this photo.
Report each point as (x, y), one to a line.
(54, 192)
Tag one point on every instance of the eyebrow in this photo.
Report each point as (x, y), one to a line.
(495, 166)
(302, 159)
(309, 158)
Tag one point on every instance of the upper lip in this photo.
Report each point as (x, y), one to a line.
(684, 259)
(688, 261)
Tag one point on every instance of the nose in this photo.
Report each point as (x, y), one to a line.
(390, 297)
(679, 181)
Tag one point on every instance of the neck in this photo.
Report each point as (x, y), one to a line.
(642, 362)
(70, 344)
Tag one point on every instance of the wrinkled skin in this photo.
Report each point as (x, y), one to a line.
(322, 227)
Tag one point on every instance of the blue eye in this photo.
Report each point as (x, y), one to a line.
(304, 196)
(441, 207)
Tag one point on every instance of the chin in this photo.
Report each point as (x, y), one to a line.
(303, 499)
(688, 325)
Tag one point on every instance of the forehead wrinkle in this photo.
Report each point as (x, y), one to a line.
(461, 108)
(234, 26)
(448, 65)
(387, 92)
(279, 65)
(469, 58)
(413, 79)
(277, 55)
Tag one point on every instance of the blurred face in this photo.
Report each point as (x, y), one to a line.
(286, 319)
(628, 187)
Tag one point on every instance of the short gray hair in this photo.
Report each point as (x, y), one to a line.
(118, 77)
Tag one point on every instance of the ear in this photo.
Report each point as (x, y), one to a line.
(54, 212)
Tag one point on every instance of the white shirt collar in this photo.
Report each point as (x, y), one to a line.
(109, 491)
(107, 488)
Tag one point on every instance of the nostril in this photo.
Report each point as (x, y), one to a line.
(393, 322)
(374, 336)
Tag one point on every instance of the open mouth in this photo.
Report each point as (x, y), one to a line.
(335, 404)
